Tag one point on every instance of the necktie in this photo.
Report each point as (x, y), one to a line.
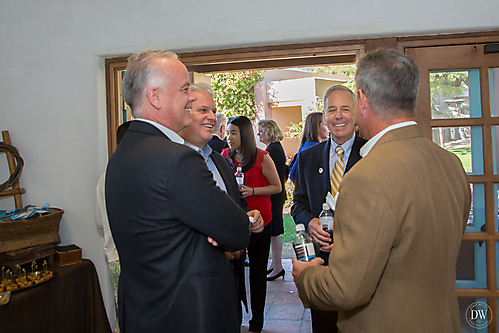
(338, 170)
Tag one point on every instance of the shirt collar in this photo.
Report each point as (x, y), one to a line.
(347, 145)
(370, 144)
(205, 152)
(165, 130)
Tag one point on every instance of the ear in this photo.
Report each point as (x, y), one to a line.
(154, 97)
(222, 129)
(363, 102)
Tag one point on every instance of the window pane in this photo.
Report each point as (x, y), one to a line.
(466, 142)
(495, 139)
(470, 265)
(497, 266)
(455, 94)
(496, 207)
(476, 219)
(494, 91)
(464, 304)
(126, 112)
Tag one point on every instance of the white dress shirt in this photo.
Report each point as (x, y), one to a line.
(370, 144)
(103, 222)
(166, 131)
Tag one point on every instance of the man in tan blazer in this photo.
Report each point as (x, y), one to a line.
(399, 219)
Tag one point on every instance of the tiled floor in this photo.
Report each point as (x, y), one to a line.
(284, 311)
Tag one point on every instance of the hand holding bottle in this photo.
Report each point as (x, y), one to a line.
(299, 266)
(323, 238)
(246, 191)
(326, 219)
(256, 225)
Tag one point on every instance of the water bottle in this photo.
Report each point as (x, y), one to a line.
(326, 219)
(239, 176)
(304, 248)
(251, 224)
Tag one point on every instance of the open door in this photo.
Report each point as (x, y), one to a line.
(458, 108)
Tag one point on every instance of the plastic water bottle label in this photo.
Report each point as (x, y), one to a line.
(305, 252)
(327, 225)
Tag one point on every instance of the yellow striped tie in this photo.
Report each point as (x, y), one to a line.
(338, 170)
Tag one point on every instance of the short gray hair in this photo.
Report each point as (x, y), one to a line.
(221, 121)
(141, 73)
(390, 80)
(334, 88)
(203, 87)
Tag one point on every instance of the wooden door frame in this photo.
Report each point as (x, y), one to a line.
(113, 67)
(252, 58)
(422, 114)
(286, 55)
(458, 54)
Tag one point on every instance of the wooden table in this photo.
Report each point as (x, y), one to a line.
(70, 302)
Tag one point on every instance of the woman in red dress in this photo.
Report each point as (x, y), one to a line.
(261, 181)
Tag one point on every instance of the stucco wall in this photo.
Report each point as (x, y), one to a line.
(52, 87)
(284, 116)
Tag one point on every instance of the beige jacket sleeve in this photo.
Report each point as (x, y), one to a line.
(363, 236)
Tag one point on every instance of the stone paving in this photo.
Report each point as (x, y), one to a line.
(284, 312)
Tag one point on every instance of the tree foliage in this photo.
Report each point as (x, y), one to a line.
(348, 70)
(295, 131)
(234, 92)
(448, 83)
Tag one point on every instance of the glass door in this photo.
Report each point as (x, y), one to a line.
(458, 108)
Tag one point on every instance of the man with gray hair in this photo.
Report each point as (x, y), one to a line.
(319, 171)
(197, 136)
(217, 142)
(164, 212)
(399, 220)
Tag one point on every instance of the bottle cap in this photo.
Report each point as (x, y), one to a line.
(325, 206)
(239, 169)
(300, 227)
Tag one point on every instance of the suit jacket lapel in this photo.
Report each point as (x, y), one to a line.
(217, 160)
(323, 164)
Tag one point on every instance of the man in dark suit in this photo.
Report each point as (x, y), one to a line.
(170, 222)
(399, 219)
(313, 181)
(217, 141)
(197, 137)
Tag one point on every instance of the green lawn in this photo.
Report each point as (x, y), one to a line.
(289, 229)
(464, 155)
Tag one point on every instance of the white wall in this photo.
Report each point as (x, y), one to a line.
(296, 92)
(52, 87)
